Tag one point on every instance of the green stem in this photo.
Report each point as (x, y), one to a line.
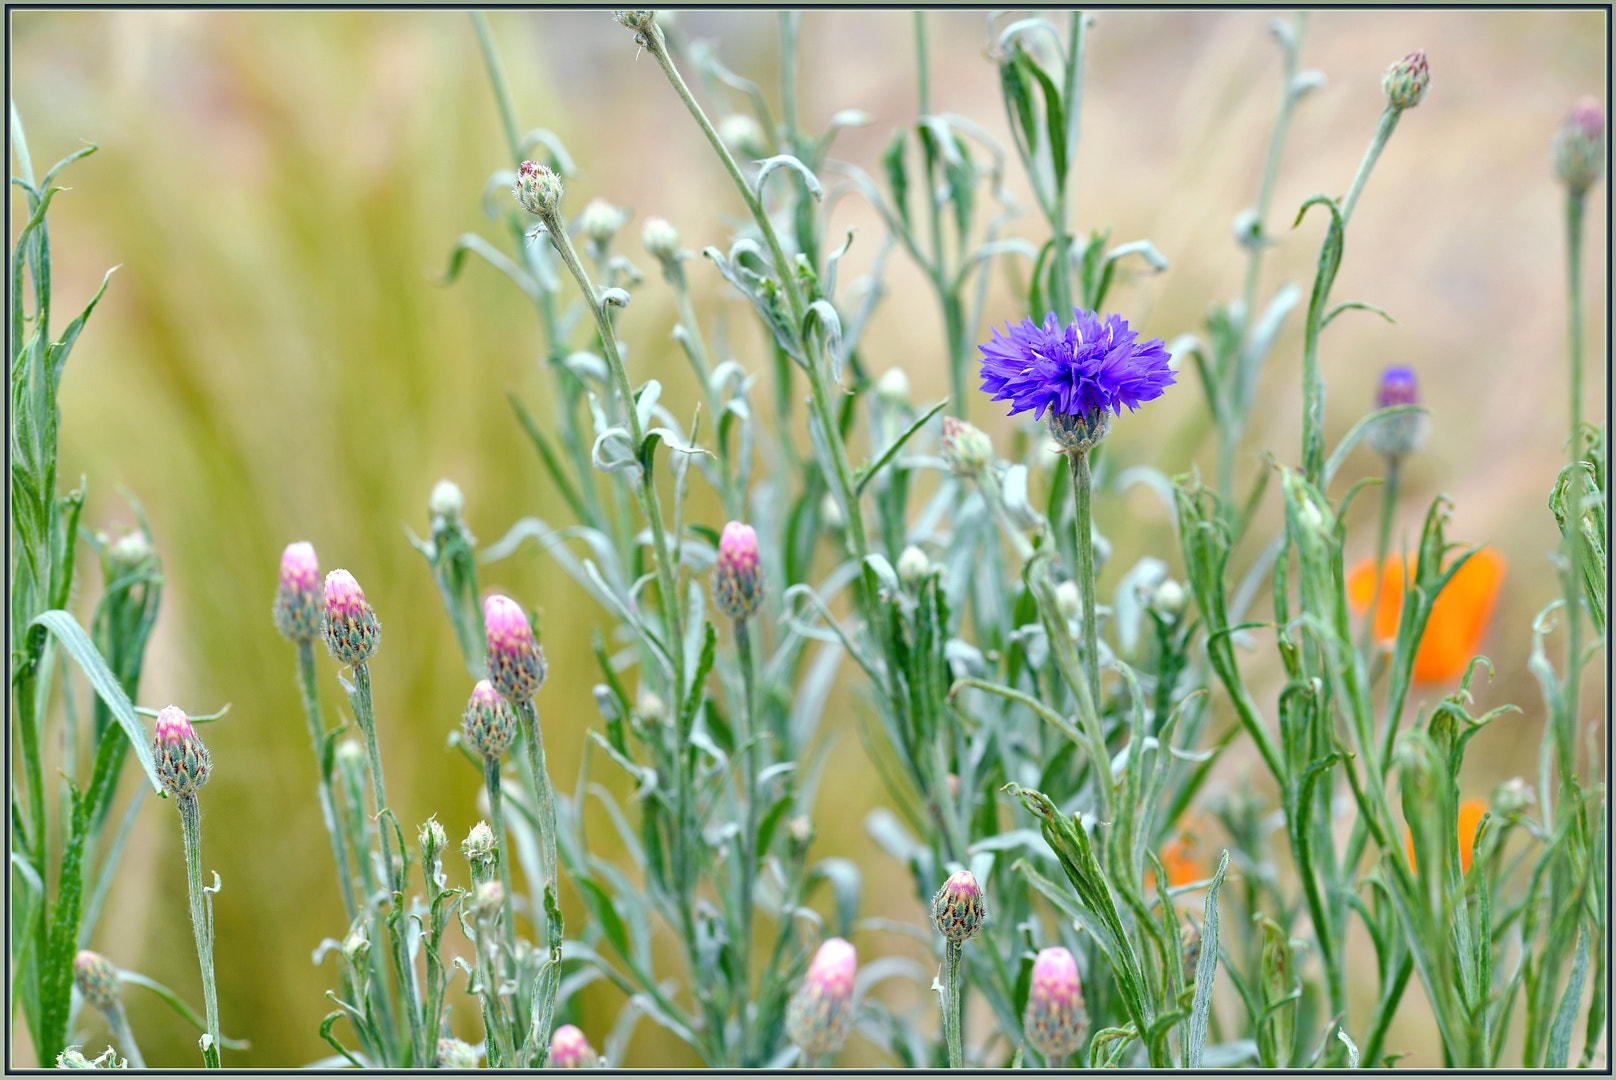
(118, 1024)
(1383, 543)
(1388, 122)
(549, 980)
(954, 1004)
(922, 73)
(1575, 549)
(502, 847)
(502, 90)
(1082, 484)
(201, 922)
(311, 709)
(749, 852)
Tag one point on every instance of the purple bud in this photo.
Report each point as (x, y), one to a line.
(297, 598)
(516, 665)
(96, 979)
(1579, 146)
(959, 909)
(1395, 436)
(488, 723)
(821, 1011)
(1055, 1021)
(183, 763)
(352, 633)
(738, 582)
(570, 1050)
(1407, 80)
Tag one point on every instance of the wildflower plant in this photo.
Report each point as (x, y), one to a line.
(1084, 894)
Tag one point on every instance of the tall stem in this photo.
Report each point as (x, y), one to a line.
(1388, 121)
(328, 809)
(1575, 549)
(118, 1024)
(497, 821)
(1081, 494)
(502, 91)
(544, 989)
(201, 922)
(1383, 542)
(954, 1005)
(749, 852)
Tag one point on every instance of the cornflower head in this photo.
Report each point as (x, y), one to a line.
(96, 979)
(1081, 373)
(1394, 436)
(1458, 619)
(569, 1049)
(1579, 146)
(489, 723)
(297, 597)
(1055, 1021)
(1407, 80)
(959, 909)
(351, 630)
(821, 1011)
(516, 665)
(737, 582)
(183, 763)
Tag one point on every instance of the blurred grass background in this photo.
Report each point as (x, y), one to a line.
(274, 360)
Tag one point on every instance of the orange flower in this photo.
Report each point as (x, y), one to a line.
(1458, 618)
(1181, 858)
(1470, 814)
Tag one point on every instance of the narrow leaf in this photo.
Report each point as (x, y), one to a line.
(83, 650)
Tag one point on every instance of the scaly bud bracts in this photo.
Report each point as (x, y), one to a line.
(1407, 80)
(96, 979)
(1055, 1021)
(959, 909)
(515, 662)
(821, 1011)
(738, 581)
(1579, 146)
(297, 598)
(538, 189)
(1079, 431)
(351, 631)
(183, 763)
(570, 1050)
(489, 723)
(966, 448)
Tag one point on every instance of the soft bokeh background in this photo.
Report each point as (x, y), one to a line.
(275, 361)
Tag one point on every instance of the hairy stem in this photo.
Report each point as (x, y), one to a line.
(328, 807)
(1082, 484)
(954, 1004)
(201, 922)
(549, 980)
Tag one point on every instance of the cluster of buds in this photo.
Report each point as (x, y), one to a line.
(959, 909)
(489, 723)
(1579, 146)
(1406, 81)
(966, 448)
(183, 763)
(738, 581)
(1404, 433)
(516, 665)
(97, 980)
(456, 1055)
(351, 630)
(297, 597)
(821, 1011)
(569, 1049)
(1055, 1021)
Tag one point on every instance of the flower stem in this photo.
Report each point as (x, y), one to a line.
(954, 1004)
(502, 90)
(118, 1023)
(1383, 132)
(1383, 542)
(201, 922)
(749, 853)
(1575, 549)
(1082, 484)
(311, 709)
(542, 1009)
(502, 849)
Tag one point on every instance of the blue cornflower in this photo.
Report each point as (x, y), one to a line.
(1077, 371)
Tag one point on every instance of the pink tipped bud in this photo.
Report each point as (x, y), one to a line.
(738, 581)
(515, 662)
(959, 909)
(96, 979)
(821, 1011)
(1394, 436)
(1407, 80)
(570, 1050)
(183, 763)
(351, 630)
(488, 723)
(538, 189)
(1579, 146)
(297, 599)
(1055, 1021)
(966, 449)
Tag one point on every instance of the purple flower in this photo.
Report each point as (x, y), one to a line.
(1085, 367)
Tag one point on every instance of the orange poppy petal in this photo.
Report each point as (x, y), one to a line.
(1459, 618)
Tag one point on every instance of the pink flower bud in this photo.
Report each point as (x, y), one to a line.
(1394, 436)
(1579, 146)
(737, 583)
(351, 630)
(1055, 1021)
(570, 1050)
(1407, 80)
(488, 723)
(515, 662)
(183, 763)
(297, 599)
(96, 979)
(959, 909)
(821, 1011)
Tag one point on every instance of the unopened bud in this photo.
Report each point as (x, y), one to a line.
(953, 782)
(516, 665)
(1512, 796)
(1055, 1021)
(738, 580)
(352, 633)
(1407, 80)
(356, 946)
(800, 830)
(892, 388)
(600, 221)
(487, 900)
(298, 596)
(538, 189)
(478, 848)
(183, 763)
(130, 552)
(661, 239)
(1069, 600)
(488, 722)
(446, 501)
(651, 708)
(1579, 146)
(830, 513)
(638, 20)
(96, 979)
(432, 839)
(959, 909)
(457, 1055)
(743, 135)
(913, 566)
(821, 1011)
(1404, 433)
(966, 449)
(1168, 599)
(570, 1050)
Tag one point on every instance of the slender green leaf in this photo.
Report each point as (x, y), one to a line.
(1205, 970)
(79, 646)
(1565, 1017)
